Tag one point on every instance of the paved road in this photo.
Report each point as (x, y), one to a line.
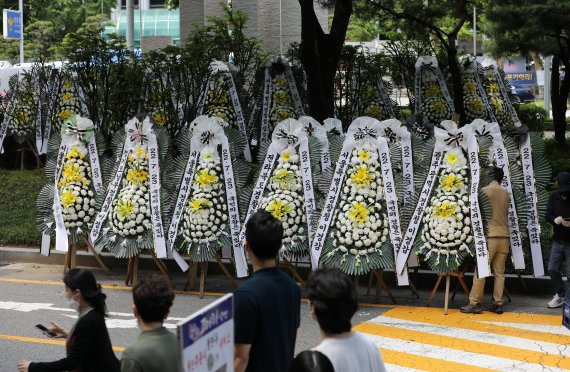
(410, 337)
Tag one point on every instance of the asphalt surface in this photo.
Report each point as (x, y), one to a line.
(32, 294)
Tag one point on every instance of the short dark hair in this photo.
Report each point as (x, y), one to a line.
(498, 174)
(334, 297)
(84, 280)
(264, 234)
(153, 297)
(311, 361)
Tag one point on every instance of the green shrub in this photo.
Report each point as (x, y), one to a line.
(533, 116)
(404, 112)
(18, 193)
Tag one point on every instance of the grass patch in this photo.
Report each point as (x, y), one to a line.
(18, 193)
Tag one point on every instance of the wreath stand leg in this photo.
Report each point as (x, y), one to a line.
(132, 271)
(447, 276)
(70, 258)
(380, 284)
(203, 274)
(461, 282)
(96, 255)
(287, 264)
(35, 152)
(227, 273)
(191, 281)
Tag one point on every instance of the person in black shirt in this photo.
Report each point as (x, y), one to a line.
(88, 344)
(268, 305)
(558, 214)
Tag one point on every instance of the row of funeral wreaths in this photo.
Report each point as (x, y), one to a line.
(344, 200)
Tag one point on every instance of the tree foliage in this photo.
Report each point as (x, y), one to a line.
(536, 26)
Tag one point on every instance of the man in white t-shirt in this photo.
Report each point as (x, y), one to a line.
(333, 301)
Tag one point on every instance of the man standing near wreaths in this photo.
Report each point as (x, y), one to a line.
(498, 245)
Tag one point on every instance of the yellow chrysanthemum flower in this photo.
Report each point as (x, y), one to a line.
(68, 198)
(125, 208)
(445, 210)
(206, 179)
(364, 155)
(494, 88)
(71, 173)
(452, 158)
(67, 97)
(136, 176)
(160, 118)
(67, 85)
(358, 213)
(140, 152)
(438, 106)
(285, 156)
(450, 182)
(200, 203)
(470, 87)
(279, 209)
(65, 114)
(432, 90)
(361, 177)
(73, 153)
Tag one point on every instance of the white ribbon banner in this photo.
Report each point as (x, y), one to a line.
(481, 251)
(61, 240)
(413, 227)
(391, 204)
(239, 254)
(314, 129)
(310, 204)
(95, 166)
(5, 122)
(294, 91)
(266, 106)
(533, 226)
(111, 192)
(154, 171)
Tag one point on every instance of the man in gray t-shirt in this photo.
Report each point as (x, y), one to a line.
(156, 349)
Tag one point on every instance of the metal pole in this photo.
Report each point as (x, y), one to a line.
(130, 24)
(475, 32)
(280, 31)
(21, 5)
(547, 81)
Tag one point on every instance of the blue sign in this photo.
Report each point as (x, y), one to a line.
(12, 24)
(206, 338)
(521, 78)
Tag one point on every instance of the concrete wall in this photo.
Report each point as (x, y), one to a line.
(150, 43)
(196, 12)
(264, 21)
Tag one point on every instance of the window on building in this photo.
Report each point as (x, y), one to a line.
(157, 3)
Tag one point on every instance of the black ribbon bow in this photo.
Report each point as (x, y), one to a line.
(206, 137)
(291, 139)
(484, 133)
(391, 135)
(454, 139)
(310, 129)
(362, 133)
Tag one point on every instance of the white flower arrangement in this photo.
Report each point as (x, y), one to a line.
(68, 104)
(22, 117)
(359, 229)
(446, 230)
(433, 104)
(496, 99)
(285, 200)
(205, 216)
(130, 214)
(76, 193)
(219, 103)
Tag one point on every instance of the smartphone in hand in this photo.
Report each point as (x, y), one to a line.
(46, 331)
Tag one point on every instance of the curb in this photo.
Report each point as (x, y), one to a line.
(423, 279)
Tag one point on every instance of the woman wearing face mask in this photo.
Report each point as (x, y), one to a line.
(88, 344)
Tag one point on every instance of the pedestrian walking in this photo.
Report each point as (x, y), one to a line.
(156, 349)
(497, 244)
(267, 305)
(558, 214)
(333, 302)
(88, 344)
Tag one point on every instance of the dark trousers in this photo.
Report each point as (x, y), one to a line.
(560, 252)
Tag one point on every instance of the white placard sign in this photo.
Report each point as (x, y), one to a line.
(206, 338)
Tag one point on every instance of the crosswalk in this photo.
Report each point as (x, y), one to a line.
(423, 338)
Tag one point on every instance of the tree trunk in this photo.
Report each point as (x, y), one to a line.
(455, 80)
(320, 54)
(560, 92)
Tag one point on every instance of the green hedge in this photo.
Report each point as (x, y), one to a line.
(533, 116)
(558, 155)
(18, 194)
